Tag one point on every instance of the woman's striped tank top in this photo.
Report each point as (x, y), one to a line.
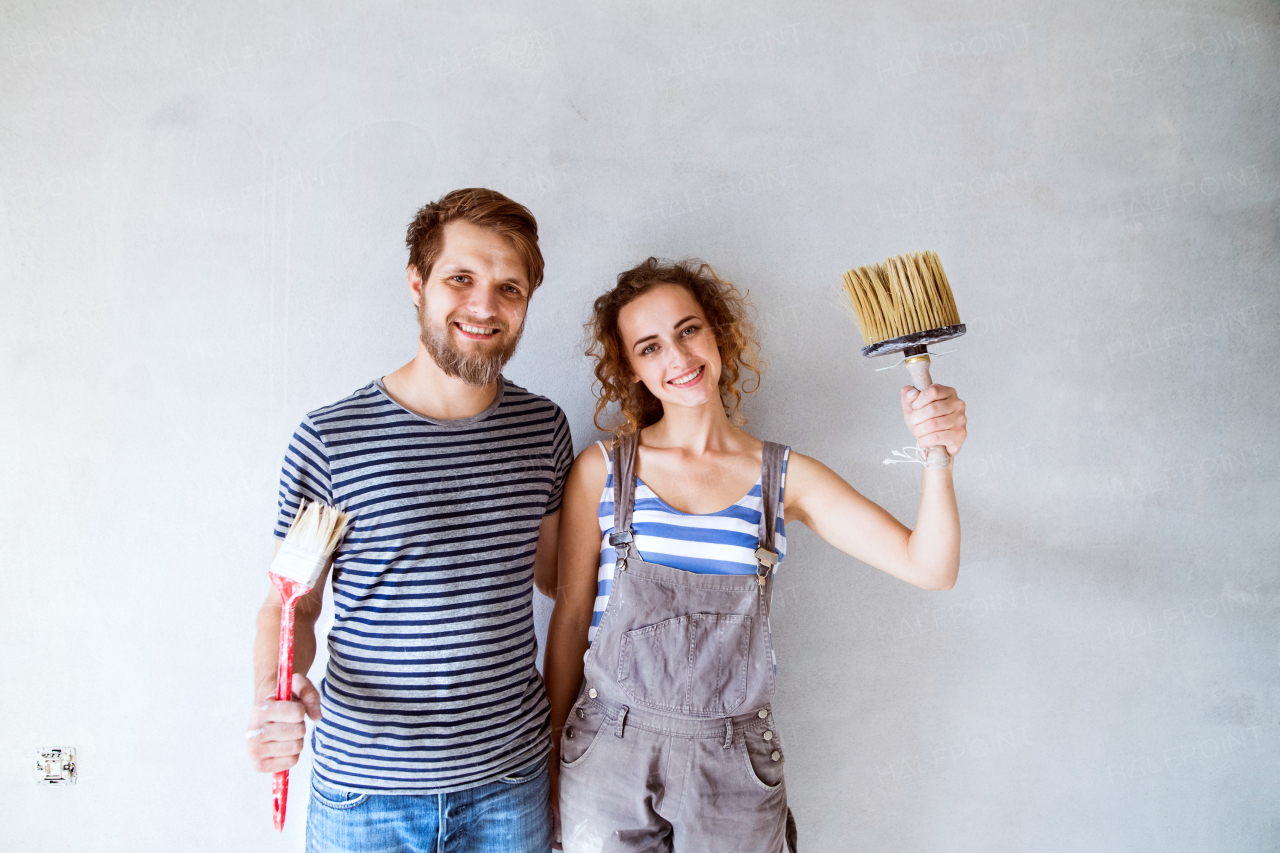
(717, 543)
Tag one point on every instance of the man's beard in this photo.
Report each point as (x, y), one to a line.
(478, 369)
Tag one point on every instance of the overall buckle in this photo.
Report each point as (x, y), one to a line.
(764, 560)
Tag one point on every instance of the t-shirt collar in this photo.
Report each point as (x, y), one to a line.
(459, 422)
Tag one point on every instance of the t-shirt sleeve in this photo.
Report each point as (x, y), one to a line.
(304, 475)
(562, 461)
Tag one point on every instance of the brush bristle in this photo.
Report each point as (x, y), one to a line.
(317, 528)
(904, 295)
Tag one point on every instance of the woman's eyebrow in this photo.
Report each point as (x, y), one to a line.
(678, 324)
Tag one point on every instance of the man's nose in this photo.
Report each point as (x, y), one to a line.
(481, 302)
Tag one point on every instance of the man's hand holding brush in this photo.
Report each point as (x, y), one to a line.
(935, 417)
(276, 730)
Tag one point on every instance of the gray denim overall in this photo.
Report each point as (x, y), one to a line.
(671, 744)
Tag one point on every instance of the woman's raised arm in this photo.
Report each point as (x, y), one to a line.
(927, 557)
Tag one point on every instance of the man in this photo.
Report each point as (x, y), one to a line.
(432, 728)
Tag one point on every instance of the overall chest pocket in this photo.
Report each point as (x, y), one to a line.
(694, 665)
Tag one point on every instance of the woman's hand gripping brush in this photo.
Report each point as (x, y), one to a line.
(935, 417)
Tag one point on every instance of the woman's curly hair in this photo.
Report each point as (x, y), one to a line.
(728, 315)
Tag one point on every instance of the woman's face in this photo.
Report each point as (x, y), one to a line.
(670, 346)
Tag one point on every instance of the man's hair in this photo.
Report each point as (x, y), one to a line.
(728, 314)
(485, 208)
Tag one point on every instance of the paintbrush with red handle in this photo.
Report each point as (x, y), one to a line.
(311, 540)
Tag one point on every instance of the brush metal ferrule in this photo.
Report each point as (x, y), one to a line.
(915, 340)
(299, 564)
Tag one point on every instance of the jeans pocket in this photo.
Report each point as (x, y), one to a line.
(335, 798)
(527, 773)
(694, 665)
(581, 731)
(763, 758)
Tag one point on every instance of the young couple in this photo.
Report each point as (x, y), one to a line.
(654, 731)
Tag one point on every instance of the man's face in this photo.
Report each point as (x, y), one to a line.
(471, 307)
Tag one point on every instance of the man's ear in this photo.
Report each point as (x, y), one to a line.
(415, 284)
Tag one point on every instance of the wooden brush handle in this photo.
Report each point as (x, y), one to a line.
(918, 367)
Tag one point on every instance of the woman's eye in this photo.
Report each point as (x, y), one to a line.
(689, 330)
(650, 348)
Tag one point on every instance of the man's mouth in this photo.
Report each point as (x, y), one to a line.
(690, 378)
(477, 333)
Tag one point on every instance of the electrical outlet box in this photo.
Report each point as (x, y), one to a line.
(56, 765)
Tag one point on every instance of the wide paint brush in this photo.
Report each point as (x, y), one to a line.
(311, 540)
(903, 305)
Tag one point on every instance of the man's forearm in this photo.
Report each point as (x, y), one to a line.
(276, 730)
(266, 647)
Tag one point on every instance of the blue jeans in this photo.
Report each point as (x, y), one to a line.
(511, 815)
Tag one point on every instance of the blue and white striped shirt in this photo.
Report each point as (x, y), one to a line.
(431, 685)
(717, 543)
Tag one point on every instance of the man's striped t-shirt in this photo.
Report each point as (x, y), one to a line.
(431, 684)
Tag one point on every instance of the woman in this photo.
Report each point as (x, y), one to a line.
(664, 737)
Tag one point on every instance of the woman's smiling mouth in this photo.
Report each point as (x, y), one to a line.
(690, 378)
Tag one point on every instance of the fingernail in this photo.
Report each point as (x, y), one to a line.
(264, 706)
(253, 733)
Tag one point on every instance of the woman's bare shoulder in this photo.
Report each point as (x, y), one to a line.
(803, 474)
(591, 467)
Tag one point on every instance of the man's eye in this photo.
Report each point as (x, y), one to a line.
(461, 279)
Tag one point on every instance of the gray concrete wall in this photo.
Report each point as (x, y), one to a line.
(201, 222)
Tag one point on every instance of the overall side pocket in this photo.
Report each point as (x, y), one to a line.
(581, 731)
(763, 758)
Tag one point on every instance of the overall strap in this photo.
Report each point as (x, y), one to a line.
(770, 494)
(624, 494)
